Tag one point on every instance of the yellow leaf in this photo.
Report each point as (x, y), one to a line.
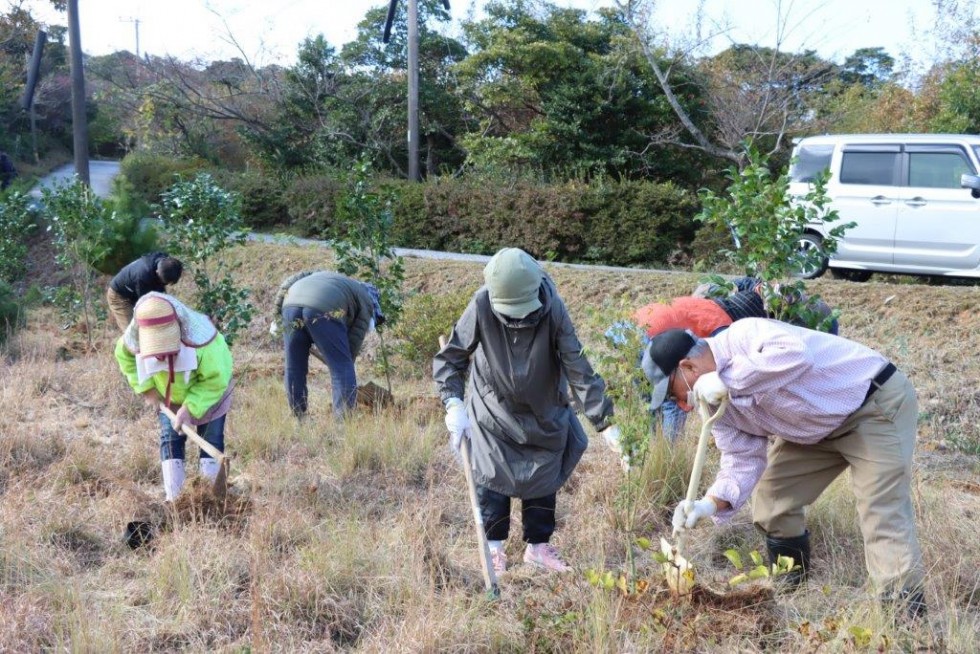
(736, 558)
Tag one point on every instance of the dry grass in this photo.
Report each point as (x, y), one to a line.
(358, 535)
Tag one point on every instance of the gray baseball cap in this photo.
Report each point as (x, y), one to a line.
(661, 358)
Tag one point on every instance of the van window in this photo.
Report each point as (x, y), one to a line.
(869, 168)
(809, 161)
(937, 169)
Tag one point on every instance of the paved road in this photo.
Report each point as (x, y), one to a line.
(100, 174)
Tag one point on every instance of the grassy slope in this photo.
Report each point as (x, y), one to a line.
(359, 535)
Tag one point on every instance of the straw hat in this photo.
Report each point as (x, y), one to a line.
(195, 329)
(159, 329)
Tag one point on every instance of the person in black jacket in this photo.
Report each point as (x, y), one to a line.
(151, 272)
(7, 171)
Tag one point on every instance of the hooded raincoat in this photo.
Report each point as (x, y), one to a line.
(525, 438)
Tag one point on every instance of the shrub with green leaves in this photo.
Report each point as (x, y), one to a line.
(364, 249)
(425, 317)
(202, 220)
(78, 221)
(11, 312)
(152, 174)
(767, 224)
(16, 224)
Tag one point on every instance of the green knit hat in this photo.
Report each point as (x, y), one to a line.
(513, 278)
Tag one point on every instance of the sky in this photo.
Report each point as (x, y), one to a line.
(270, 32)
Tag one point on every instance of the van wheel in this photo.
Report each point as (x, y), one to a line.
(851, 275)
(812, 267)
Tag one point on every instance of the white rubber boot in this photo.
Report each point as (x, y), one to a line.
(209, 468)
(173, 477)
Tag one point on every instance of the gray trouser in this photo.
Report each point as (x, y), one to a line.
(876, 442)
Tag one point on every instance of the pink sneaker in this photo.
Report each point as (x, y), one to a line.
(544, 555)
(498, 559)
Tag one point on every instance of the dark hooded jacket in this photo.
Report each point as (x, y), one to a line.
(140, 277)
(525, 437)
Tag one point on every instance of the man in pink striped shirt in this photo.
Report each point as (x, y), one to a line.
(827, 404)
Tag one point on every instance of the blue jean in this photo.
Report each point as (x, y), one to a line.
(672, 420)
(172, 444)
(305, 327)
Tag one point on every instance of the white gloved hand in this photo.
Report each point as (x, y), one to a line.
(457, 422)
(613, 438)
(274, 327)
(688, 513)
(181, 418)
(709, 388)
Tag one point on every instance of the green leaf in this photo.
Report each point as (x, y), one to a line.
(643, 543)
(734, 556)
(756, 557)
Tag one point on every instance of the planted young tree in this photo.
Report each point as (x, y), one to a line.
(362, 242)
(767, 225)
(656, 472)
(202, 220)
(76, 218)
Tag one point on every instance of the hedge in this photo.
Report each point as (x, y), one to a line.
(615, 223)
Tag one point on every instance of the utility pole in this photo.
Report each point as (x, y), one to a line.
(413, 79)
(136, 23)
(79, 123)
(413, 90)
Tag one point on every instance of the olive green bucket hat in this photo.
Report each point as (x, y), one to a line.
(513, 278)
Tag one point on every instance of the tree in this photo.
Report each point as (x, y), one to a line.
(560, 94)
(754, 94)
(869, 67)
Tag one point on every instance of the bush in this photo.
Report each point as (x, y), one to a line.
(312, 204)
(16, 222)
(657, 220)
(152, 174)
(424, 319)
(263, 204)
(123, 238)
(620, 223)
(11, 313)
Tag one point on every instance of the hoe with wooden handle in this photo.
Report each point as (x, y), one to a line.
(489, 576)
(220, 485)
(677, 567)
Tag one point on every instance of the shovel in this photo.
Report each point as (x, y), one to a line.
(680, 576)
(489, 576)
(220, 485)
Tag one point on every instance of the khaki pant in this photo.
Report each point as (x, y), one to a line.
(120, 308)
(876, 441)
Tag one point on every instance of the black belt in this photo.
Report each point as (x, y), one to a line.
(883, 376)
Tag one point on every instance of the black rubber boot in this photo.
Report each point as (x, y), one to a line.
(911, 603)
(798, 549)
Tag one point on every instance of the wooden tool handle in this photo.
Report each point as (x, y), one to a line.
(192, 434)
(489, 576)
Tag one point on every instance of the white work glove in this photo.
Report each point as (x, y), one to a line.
(688, 513)
(613, 439)
(181, 418)
(274, 327)
(709, 388)
(457, 422)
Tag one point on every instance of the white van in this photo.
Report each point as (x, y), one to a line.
(905, 193)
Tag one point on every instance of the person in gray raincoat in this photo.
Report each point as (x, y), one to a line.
(517, 342)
